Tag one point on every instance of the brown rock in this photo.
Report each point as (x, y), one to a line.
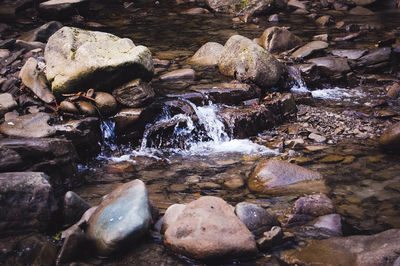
(105, 103)
(390, 138)
(315, 205)
(207, 228)
(278, 39)
(136, 93)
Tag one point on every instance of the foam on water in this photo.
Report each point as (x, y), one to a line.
(338, 94)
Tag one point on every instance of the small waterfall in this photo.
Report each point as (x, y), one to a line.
(108, 136)
(299, 84)
(200, 134)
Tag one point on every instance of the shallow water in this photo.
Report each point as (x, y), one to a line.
(365, 189)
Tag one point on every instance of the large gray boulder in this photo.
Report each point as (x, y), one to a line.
(207, 228)
(122, 217)
(279, 177)
(247, 61)
(27, 201)
(379, 249)
(79, 59)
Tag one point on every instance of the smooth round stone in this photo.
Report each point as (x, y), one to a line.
(87, 108)
(105, 102)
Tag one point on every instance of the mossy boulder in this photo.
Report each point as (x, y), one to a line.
(79, 59)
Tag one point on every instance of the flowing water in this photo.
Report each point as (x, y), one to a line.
(365, 187)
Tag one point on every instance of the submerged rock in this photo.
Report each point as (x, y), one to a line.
(136, 93)
(79, 59)
(331, 222)
(390, 138)
(315, 205)
(378, 249)
(270, 238)
(27, 201)
(279, 177)
(122, 218)
(278, 39)
(207, 228)
(257, 219)
(246, 61)
(208, 54)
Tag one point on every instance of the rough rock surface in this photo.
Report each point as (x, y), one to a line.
(7, 103)
(207, 228)
(378, 249)
(136, 93)
(28, 126)
(315, 205)
(79, 59)
(279, 39)
(279, 177)
(27, 201)
(122, 217)
(208, 54)
(247, 61)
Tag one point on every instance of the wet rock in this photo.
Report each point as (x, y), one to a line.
(257, 219)
(228, 93)
(296, 4)
(179, 74)
(234, 182)
(84, 134)
(136, 93)
(207, 55)
(314, 205)
(332, 159)
(278, 178)
(347, 37)
(331, 222)
(248, 121)
(60, 9)
(42, 33)
(390, 138)
(74, 207)
(321, 37)
(207, 228)
(378, 249)
(361, 11)
(350, 54)
(33, 78)
(393, 91)
(324, 21)
(55, 157)
(87, 108)
(28, 126)
(126, 119)
(77, 59)
(331, 65)
(47, 255)
(247, 61)
(28, 46)
(105, 103)
(7, 103)
(278, 39)
(363, 2)
(27, 201)
(317, 138)
(309, 48)
(122, 217)
(270, 239)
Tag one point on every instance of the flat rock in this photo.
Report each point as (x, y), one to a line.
(207, 228)
(317, 138)
(274, 177)
(7, 103)
(227, 93)
(27, 201)
(59, 9)
(378, 249)
(246, 61)
(79, 59)
(122, 218)
(330, 64)
(309, 48)
(28, 126)
(179, 74)
(375, 56)
(352, 54)
(207, 55)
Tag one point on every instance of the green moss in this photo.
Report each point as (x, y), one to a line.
(242, 5)
(73, 50)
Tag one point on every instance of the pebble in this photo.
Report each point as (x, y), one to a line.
(317, 138)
